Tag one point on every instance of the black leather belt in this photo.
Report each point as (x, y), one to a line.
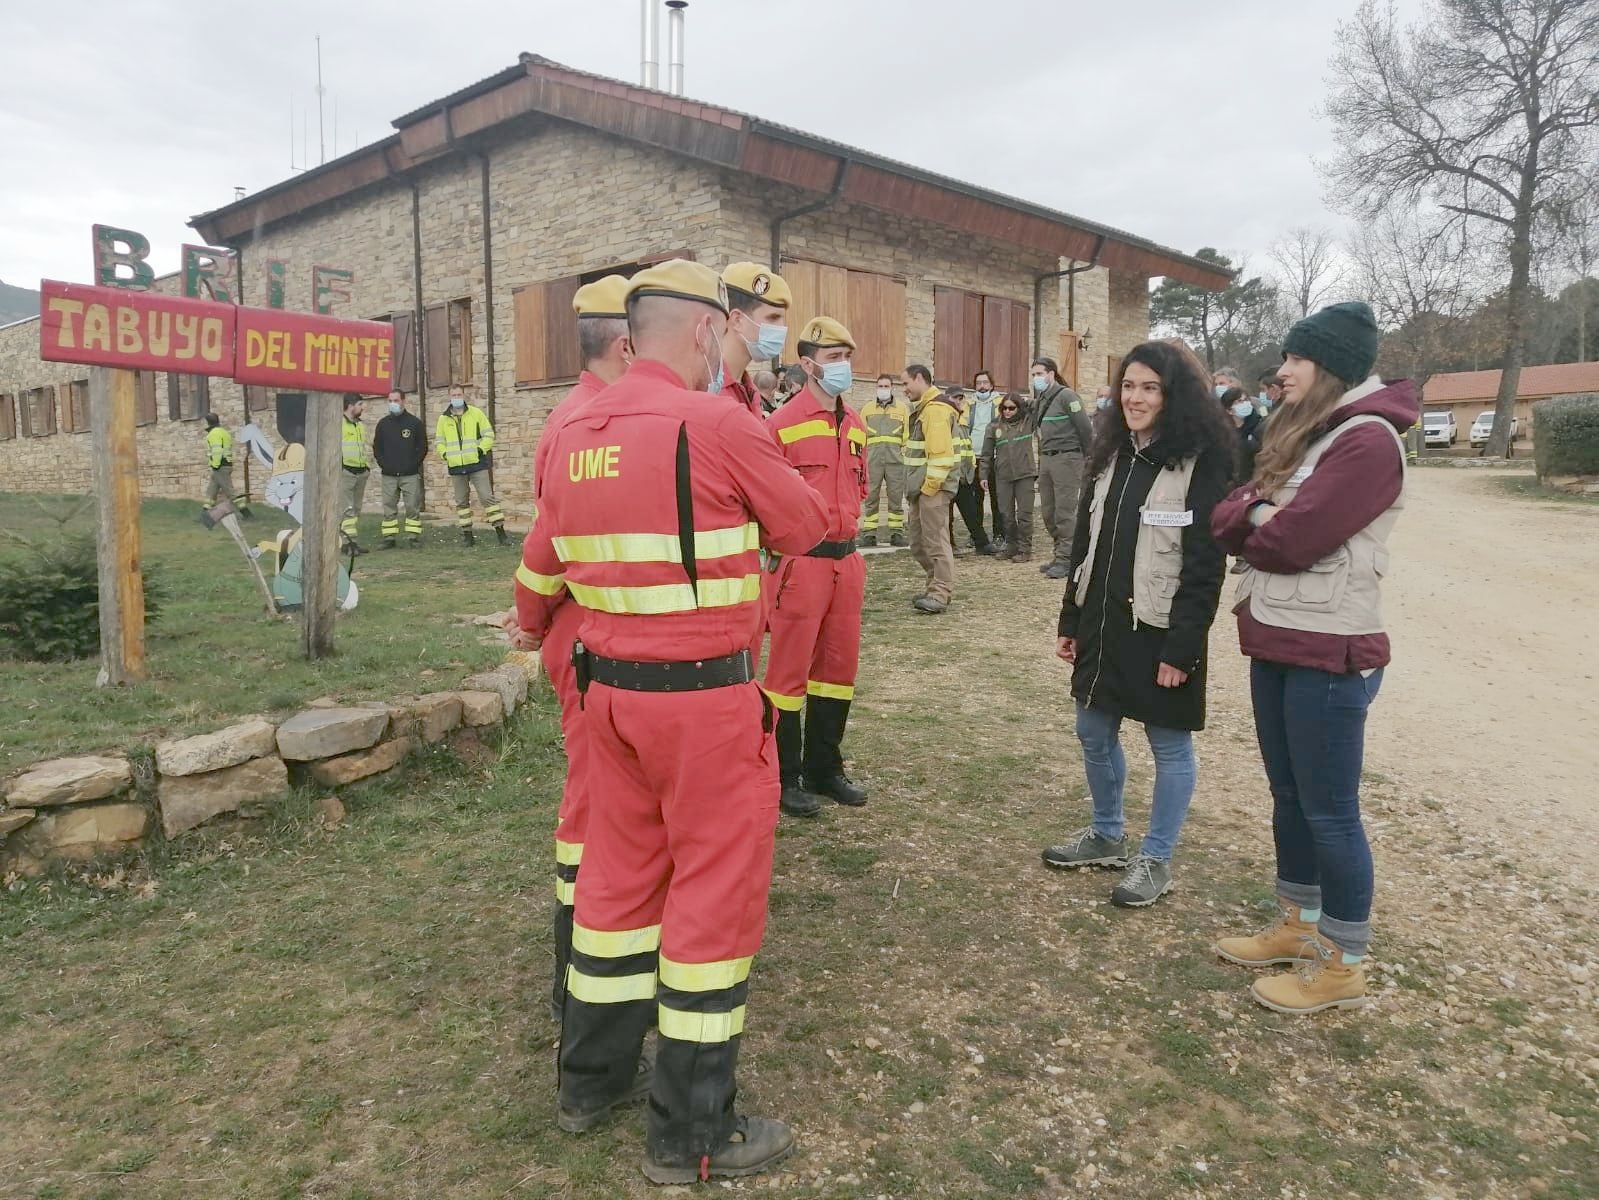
(727, 671)
(831, 549)
(356, 470)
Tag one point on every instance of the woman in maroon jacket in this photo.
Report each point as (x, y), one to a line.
(1312, 527)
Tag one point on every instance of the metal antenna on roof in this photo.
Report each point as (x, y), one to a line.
(321, 140)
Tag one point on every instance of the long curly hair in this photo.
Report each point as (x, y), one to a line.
(1190, 421)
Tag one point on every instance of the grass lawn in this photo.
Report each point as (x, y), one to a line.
(214, 654)
(1527, 487)
(280, 1011)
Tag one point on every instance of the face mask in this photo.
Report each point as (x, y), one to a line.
(983, 393)
(1040, 382)
(884, 395)
(1103, 402)
(836, 378)
(457, 401)
(1243, 408)
(1220, 390)
(718, 375)
(396, 408)
(769, 342)
(1265, 400)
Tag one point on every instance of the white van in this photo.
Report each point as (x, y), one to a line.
(1438, 428)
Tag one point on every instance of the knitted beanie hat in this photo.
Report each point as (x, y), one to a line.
(1341, 339)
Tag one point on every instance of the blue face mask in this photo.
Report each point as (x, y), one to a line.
(1243, 408)
(396, 408)
(1103, 402)
(836, 378)
(1220, 391)
(769, 343)
(983, 393)
(719, 375)
(1040, 382)
(1265, 400)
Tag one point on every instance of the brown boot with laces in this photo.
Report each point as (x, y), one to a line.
(1322, 980)
(1279, 942)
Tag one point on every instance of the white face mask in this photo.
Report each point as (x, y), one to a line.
(884, 395)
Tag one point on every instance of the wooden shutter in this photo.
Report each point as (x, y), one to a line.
(8, 417)
(24, 416)
(875, 314)
(75, 405)
(202, 394)
(144, 407)
(404, 371)
(256, 399)
(957, 334)
(174, 397)
(1006, 337)
(460, 341)
(1112, 365)
(436, 339)
(802, 283)
(1069, 359)
(527, 319)
(562, 358)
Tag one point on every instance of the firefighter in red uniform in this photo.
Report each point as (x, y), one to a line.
(814, 607)
(650, 517)
(757, 326)
(601, 309)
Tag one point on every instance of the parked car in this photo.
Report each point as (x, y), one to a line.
(1439, 429)
(1484, 425)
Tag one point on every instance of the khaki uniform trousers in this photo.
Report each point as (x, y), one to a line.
(927, 525)
(1060, 480)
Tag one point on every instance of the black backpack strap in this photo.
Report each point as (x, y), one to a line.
(685, 515)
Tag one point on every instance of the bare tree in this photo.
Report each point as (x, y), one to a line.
(1487, 108)
(1308, 259)
(1420, 275)
(1576, 224)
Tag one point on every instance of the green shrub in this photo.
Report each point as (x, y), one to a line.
(50, 602)
(1566, 436)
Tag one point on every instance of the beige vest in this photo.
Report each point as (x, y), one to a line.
(1158, 556)
(1341, 594)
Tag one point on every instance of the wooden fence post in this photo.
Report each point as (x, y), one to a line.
(320, 533)
(113, 399)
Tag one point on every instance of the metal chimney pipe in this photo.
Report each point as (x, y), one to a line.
(650, 43)
(674, 69)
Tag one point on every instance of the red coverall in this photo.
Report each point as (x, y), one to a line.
(678, 855)
(814, 606)
(743, 390)
(556, 654)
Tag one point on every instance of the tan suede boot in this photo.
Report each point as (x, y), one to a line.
(1320, 981)
(1279, 942)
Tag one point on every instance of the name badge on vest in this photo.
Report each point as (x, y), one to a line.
(1169, 520)
(1299, 476)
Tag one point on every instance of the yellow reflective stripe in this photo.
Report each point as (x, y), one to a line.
(544, 585)
(656, 547)
(943, 460)
(566, 892)
(705, 977)
(699, 1027)
(857, 436)
(833, 691)
(805, 429)
(786, 703)
(615, 943)
(884, 437)
(568, 854)
(604, 989)
(667, 597)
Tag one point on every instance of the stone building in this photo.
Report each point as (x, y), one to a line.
(474, 222)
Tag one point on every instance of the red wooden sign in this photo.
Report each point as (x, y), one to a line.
(314, 353)
(115, 327)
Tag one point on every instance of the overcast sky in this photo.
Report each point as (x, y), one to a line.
(1191, 124)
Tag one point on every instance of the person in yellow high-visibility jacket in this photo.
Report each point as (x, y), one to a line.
(219, 458)
(887, 419)
(465, 441)
(357, 467)
(932, 474)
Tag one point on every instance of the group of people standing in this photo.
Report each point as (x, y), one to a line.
(675, 531)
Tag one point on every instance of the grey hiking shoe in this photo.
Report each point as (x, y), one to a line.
(1088, 849)
(757, 1145)
(1146, 881)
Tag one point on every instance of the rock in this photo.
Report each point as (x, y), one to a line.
(325, 732)
(190, 800)
(322, 702)
(509, 680)
(82, 832)
(495, 620)
(434, 714)
(15, 818)
(528, 660)
(330, 811)
(481, 708)
(69, 781)
(228, 747)
(336, 772)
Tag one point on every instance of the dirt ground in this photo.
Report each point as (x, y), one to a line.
(1491, 705)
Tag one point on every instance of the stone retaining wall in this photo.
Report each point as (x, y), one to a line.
(81, 807)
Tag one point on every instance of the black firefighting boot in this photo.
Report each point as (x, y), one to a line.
(503, 537)
(469, 537)
(756, 1144)
(388, 544)
(869, 539)
(795, 800)
(562, 941)
(825, 718)
(601, 1066)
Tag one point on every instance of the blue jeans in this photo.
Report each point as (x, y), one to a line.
(1176, 771)
(1312, 731)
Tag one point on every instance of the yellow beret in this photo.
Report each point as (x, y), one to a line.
(824, 331)
(764, 284)
(603, 298)
(681, 280)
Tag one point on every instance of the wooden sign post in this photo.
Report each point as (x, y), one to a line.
(319, 575)
(112, 405)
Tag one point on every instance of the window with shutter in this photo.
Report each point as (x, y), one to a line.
(188, 397)
(973, 332)
(144, 398)
(41, 403)
(8, 416)
(871, 306)
(404, 372)
(447, 343)
(256, 399)
(545, 327)
(75, 405)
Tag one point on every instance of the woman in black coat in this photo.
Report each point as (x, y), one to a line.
(1137, 614)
